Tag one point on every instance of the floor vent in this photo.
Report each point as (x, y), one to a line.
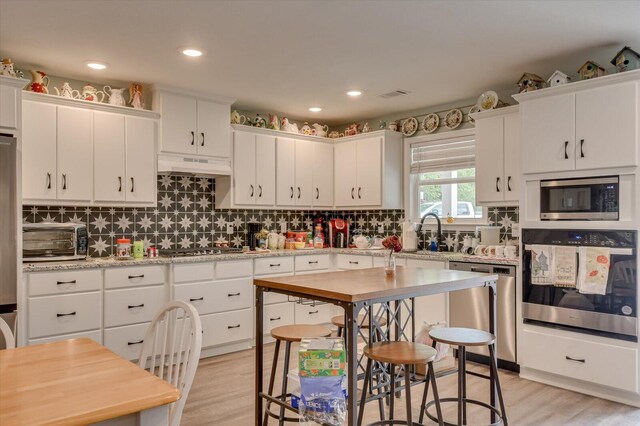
(394, 94)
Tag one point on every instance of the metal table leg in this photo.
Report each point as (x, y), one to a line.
(259, 355)
(351, 330)
(493, 330)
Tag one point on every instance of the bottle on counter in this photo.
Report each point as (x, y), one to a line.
(318, 241)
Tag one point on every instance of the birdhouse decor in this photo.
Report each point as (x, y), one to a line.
(530, 82)
(626, 59)
(558, 78)
(589, 70)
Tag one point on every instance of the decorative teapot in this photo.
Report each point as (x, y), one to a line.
(361, 241)
(115, 96)
(237, 118)
(67, 92)
(352, 129)
(39, 82)
(90, 93)
(305, 129)
(288, 127)
(274, 123)
(334, 135)
(320, 129)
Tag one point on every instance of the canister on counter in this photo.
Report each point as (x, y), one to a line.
(138, 249)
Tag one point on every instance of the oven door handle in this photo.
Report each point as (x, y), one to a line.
(614, 251)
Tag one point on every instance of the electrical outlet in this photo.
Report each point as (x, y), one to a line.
(229, 228)
(381, 229)
(283, 227)
(515, 230)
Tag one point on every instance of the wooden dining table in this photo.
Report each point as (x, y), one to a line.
(363, 289)
(79, 382)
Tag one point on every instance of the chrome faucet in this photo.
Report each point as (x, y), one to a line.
(439, 240)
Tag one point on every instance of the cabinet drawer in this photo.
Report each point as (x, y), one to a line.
(217, 296)
(227, 327)
(193, 272)
(132, 305)
(64, 282)
(307, 314)
(234, 269)
(64, 314)
(134, 276)
(351, 261)
(312, 262)
(277, 315)
(600, 363)
(127, 341)
(271, 298)
(95, 335)
(273, 265)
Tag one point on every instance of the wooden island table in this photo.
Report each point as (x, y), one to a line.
(362, 289)
(79, 382)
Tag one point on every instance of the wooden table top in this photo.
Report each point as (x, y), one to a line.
(74, 382)
(371, 284)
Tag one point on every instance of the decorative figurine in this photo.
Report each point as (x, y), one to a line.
(90, 93)
(382, 125)
(135, 95)
(394, 126)
(366, 128)
(274, 123)
(334, 135)
(67, 92)
(558, 78)
(39, 82)
(237, 118)
(259, 122)
(6, 68)
(627, 59)
(320, 129)
(288, 127)
(352, 129)
(590, 70)
(305, 129)
(530, 82)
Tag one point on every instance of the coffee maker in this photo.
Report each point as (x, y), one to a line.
(253, 230)
(338, 233)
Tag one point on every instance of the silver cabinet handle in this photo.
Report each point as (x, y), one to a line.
(119, 183)
(202, 134)
(48, 180)
(64, 181)
(133, 184)
(568, 358)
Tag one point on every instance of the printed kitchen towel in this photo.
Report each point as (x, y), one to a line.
(593, 272)
(541, 262)
(564, 266)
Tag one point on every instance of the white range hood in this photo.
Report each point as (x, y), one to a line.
(195, 165)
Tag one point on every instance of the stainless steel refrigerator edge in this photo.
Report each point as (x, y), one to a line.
(8, 230)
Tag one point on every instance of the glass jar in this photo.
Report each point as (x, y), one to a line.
(123, 248)
(390, 265)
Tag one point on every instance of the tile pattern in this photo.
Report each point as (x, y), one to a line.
(185, 218)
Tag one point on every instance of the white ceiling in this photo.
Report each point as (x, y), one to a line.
(287, 56)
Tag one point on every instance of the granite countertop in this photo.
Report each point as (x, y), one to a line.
(108, 262)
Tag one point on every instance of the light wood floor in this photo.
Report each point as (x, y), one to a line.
(222, 394)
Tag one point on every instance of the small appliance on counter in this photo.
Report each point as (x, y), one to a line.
(409, 236)
(489, 235)
(338, 233)
(254, 230)
(50, 241)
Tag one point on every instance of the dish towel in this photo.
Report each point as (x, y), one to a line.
(564, 267)
(593, 272)
(541, 263)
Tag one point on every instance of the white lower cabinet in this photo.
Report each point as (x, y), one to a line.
(126, 341)
(430, 309)
(227, 327)
(69, 313)
(217, 296)
(95, 335)
(277, 315)
(352, 261)
(273, 265)
(313, 314)
(318, 262)
(132, 305)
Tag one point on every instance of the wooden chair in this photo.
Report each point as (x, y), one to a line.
(9, 340)
(171, 350)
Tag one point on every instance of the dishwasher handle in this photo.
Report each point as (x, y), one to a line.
(483, 270)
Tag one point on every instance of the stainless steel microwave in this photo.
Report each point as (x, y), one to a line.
(50, 241)
(596, 198)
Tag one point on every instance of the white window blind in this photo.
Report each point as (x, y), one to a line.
(443, 155)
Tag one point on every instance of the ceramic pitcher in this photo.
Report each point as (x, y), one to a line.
(114, 96)
(39, 82)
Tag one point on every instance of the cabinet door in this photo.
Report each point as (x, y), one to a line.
(141, 160)
(75, 154)
(345, 174)
(512, 159)
(304, 173)
(489, 159)
(369, 172)
(548, 130)
(285, 172)
(244, 167)
(108, 157)
(9, 107)
(213, 129)
(178, 124)
(265, 170)
(322, 174)
(38, 151)
(606, 127)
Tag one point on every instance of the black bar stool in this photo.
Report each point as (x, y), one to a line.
(463, 337)
(288, 334)
(406, 354)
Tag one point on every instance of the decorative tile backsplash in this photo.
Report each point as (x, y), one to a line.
(185, 218)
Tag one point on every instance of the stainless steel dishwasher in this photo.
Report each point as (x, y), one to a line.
(470, 308)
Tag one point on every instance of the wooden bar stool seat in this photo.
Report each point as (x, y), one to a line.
(288, 334)
(395, 354)
(463, 337)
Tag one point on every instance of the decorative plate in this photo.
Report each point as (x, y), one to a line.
(473, 110)
(453, 119)
(409, 126)
(488, 100)
(431, 122)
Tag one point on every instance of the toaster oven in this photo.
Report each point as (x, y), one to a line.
(47, 241)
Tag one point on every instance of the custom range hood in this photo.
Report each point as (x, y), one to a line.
(193, 165)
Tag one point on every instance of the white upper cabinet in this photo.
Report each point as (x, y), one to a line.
(285, 172)
(75, 154)
(590, 124)
(10, 98)
(304, 173)
(39, 169)
(265, 194)
(369, 172)
(141, 160)
(498, 156)
(193, 126)
(254, 171)
(345, 180)
(322, 166)
(109, 157)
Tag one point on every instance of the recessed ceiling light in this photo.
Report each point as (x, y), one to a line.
(192, 52)
(97, 65)
(315, 109)
(354, 93)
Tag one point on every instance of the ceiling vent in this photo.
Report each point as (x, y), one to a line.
(394, 94)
